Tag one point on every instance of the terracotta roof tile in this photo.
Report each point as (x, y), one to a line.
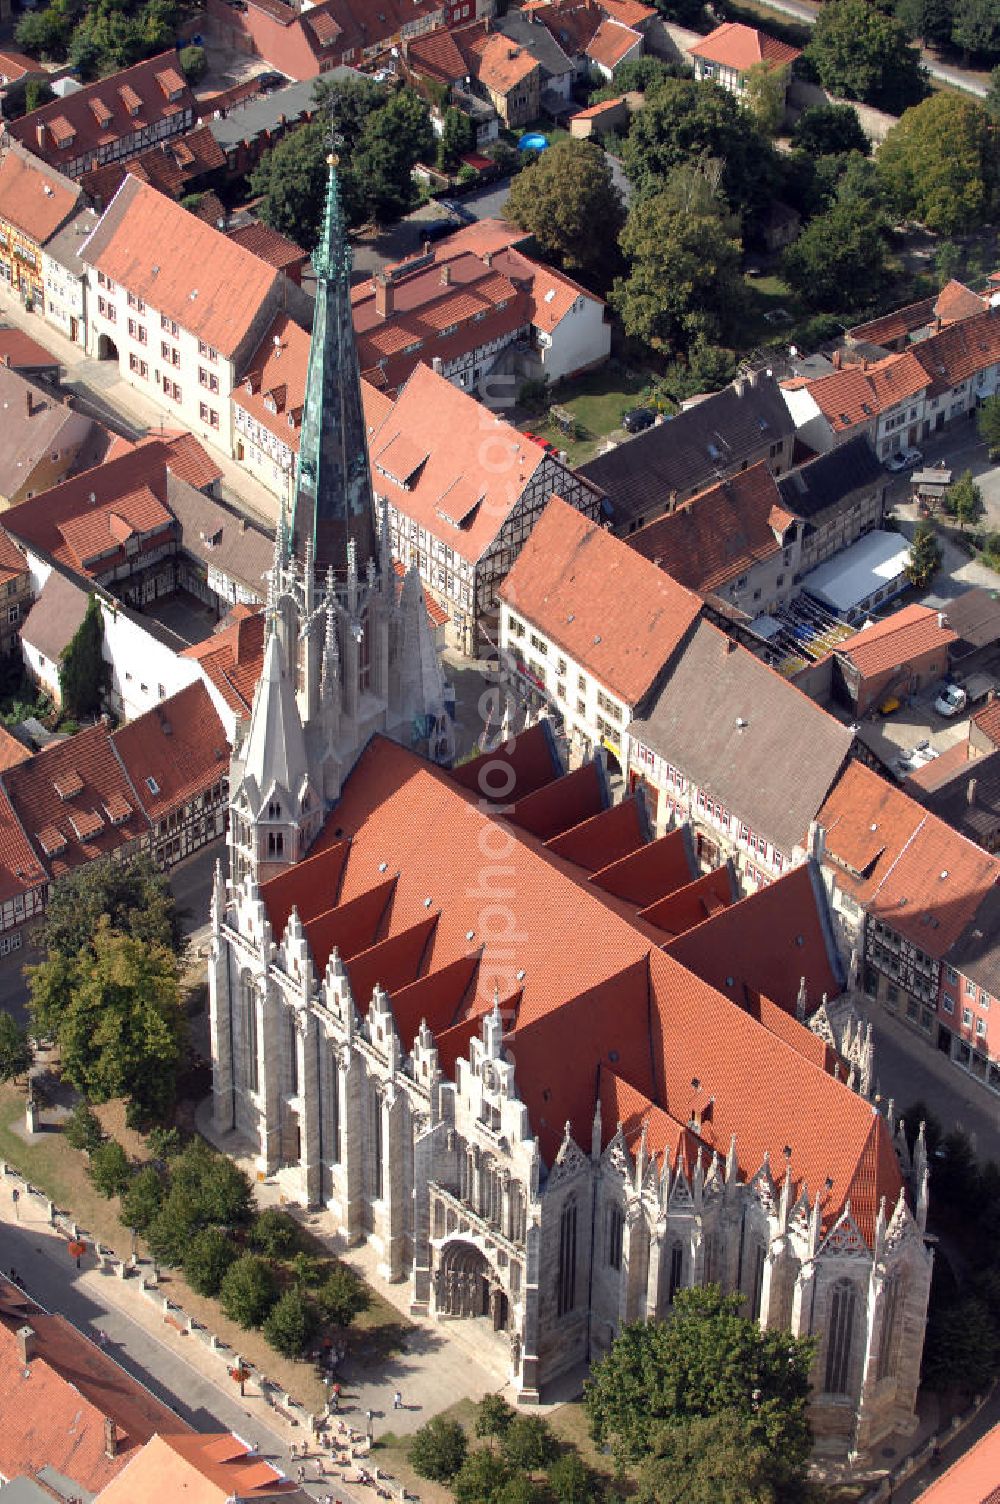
(175, 751)
(856, 395)
(611, 42)
(890, 644)
(72, 121)
(233, 658)
(603, 838)
(615, 613)
(22, 353)
(959, 351)
(972, 1479)
(694, 903)
(180, 266)
(269, 245)
(199, 1467)
(189, 460)
(595, 110)
(502, 64)
(740, 47)
(720, 533)
(276, 378)
(33, 198)
(988, 721)
(652, 872)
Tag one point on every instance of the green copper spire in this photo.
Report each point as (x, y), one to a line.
(333, 495)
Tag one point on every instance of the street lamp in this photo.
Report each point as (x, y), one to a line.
(135, 1245)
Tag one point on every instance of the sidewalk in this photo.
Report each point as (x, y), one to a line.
(102, 382)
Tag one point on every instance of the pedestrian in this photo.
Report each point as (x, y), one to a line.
(397, 1401)
(301, 1475)
(370, 1418)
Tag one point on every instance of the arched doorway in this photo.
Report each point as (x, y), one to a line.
(467, 1287)
(106, 348)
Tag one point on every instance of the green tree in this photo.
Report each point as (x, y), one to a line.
(715, 1459)
(458, 136)
(36, 93)
(976, 27)
(683, 124)
(926, 20)
(346, 104)
(109, 1168)
(393, 139)
(482, 1478)
(528, 1443)
(764, 94)
(827, 130)
(226, 1193)
(861, 53)
(639, 75)
(520, 1490)
(494, 1416)
(938, 164)
(46, 33)
(342, 1296)
(134, 896)
(561, 199)
(438, 1449)
(207, 1259)
(291, 182)
(248, 1291)
(164, 1143)
(988, 424)
(963, 500)
(571, 1481)
(142, 1198)
(708, 1358)
(16, 1053)
(993, 96)
(194, 63)
(684, 282)
(116, 1013)
(83, 1129)
(925, 556)
(83, 673)
(962, 1347)
(170, 1232)
(839, 260)
(290, 1324)
(275, 1233)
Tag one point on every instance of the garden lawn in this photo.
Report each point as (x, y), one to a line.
(597, 401)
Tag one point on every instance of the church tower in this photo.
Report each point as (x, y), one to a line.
(348, 649)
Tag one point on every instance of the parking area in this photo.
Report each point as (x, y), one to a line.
(185, 618)
(917, 727)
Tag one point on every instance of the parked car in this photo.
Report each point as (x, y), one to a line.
(637, 419)
(458, 210)
(951, 701)
(903, 459)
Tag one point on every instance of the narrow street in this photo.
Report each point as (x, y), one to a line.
(97, 1301)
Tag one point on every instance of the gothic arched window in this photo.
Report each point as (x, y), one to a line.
(840, 1337)
(566, 1288)
(757, 1258)
(892, 1302)
(711, 1264)
(249, 1033)
(616, 1236)
(376, 1145)
(676, 1271)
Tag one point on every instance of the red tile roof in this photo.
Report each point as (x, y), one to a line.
(175, 751)
(611, 43)
(615, 613)
(764, 944)
(272, 389)
(720, 533)
(155, 86)
(278, 250)
(740, 47)
(202, 1468)
(232, 658)
(189, 460)
(169, 166)
(988, 720)
(180, 266)
(502, 65)
(858, 394)
(22, 353)
(14, 66)
(973, 1479)
(681, 910)
(437, 55)
(959, 351)
(55, 1407)
(13, 564)
(598, 109)
(20, 868)
(129, 502)
(33, 198)
(86, 823)
(652, 872)
(899, 639)
(904, 865)
(610, 1002)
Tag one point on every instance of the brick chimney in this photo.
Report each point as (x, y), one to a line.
(970, 791)
(383, 295)
(446, 275)
(837, 359)
(27, 403)
(42, 135)
(27, 1344)
(110, 1437)
(487, 258)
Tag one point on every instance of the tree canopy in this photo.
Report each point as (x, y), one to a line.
(16, 1053)
(925, 556)
(988, 424)
(860, 52)
(838, 263)
(929, 21)
(939, 164)
(568, 201)
(99, 38)
(975, 27)
(684, 124)
(83, 673)
(714, 1459)
(683, 284)
(134, 895)
(827, 130)
(963, 500)
(707, 1360)
(115, 1009)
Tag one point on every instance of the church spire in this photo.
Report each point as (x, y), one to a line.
(333, 495)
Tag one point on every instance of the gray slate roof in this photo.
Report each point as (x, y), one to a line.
(640, 475)
(538, 41)
(831, 477)
(64, 247)
(774, 771)
(214, 534)
(975, 616)
(264, 111)
(56, 615)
